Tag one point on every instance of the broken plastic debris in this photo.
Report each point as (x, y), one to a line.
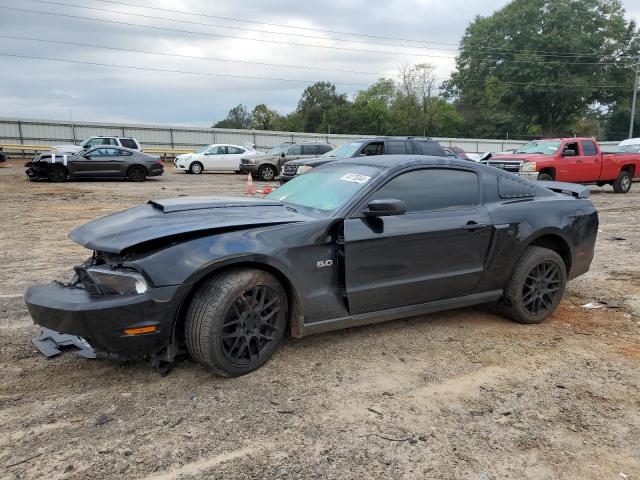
(592, 306)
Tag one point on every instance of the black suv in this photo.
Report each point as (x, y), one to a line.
(364, 148)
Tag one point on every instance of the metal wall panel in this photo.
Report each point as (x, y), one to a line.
(51, 132)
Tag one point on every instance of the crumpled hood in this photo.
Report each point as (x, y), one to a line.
(176, 216)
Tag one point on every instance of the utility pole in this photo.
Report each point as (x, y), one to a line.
(636, 85)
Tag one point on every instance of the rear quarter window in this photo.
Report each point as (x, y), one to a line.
(129, 143)
(515, 188)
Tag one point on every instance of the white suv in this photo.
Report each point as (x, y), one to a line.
(126, 142)
(220, 157)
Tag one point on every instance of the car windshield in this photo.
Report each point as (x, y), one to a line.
(203, 149)
(345, 150)
(276, 150)
(325, 189)
(544, 147)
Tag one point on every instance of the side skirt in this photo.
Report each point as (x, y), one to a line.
(399, 312)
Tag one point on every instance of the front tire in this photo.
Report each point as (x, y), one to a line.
(236, 321)
(137, 173)
(536, 286)
(545, 177)
(267, 173)
(57, 173)
(623, 182)
(196, 168)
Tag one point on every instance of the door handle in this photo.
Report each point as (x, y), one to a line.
(474, 226)
(578, 161)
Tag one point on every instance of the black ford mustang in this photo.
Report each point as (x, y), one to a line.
(353, 242)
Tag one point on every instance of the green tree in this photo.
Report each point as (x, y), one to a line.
(315, 102)
(504, 71)
(238, 117)
(263, 118)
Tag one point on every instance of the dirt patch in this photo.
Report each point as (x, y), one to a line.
(459, 394)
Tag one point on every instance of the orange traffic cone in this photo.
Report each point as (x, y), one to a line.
(266, 190)
(251, 190)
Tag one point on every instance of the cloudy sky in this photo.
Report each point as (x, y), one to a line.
(157, 39)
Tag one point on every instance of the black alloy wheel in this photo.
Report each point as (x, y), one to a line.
(251, 325)
(57, 173)
(536, 286)
(236, 321)
(137, 173)
(541, 288)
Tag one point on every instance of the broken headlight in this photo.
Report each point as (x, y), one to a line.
(303, 169)
(111, 281)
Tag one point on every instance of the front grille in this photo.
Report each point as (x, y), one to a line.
(290, 169)
(512, 166)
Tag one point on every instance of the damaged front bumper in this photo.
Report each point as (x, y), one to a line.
(71, 316)
(35, 171)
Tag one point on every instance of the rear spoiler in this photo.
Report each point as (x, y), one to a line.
(573, 189)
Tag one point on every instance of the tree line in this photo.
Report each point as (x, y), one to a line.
(533, 68)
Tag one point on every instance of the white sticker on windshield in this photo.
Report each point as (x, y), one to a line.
(355, 177)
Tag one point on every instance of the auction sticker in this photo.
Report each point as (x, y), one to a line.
(355, 177)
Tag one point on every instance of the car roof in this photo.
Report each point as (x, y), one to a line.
(387, 162)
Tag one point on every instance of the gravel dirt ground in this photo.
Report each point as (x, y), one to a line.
(461, 394)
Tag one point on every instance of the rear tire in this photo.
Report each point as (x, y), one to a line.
(137, 173)
(267, 173)
(536, 286)
(545, 177)
(196, 168)
(236, 321)
(623, 182)
(57, 173)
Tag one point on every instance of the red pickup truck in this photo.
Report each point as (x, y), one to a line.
(575, 160)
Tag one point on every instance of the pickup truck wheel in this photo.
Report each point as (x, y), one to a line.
(195, 167)
(57, 173)
(623, 182)
(137, 173)
(267, 173)
(236, 321)
(536, 286)
(545, 177)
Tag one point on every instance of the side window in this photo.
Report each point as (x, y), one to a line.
(294, 150)
(398, 148)
(323, 148)
(430, 148)
(101, 152)
(129, 143)
(572, 146)
(93, 142)
(235, 150)
(432, 189)
(124, 153)
(113, 141)
(373, 148)
(308, 150)
(216, 151)
(588, 148)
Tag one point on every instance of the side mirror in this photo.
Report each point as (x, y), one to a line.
(282, 154)
(86, 155)
(385, 208)
(568, 153)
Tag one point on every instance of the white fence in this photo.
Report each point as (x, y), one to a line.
(53, 132)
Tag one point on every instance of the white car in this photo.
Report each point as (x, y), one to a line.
(127, 142)
(218, 157)
(630, 145)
